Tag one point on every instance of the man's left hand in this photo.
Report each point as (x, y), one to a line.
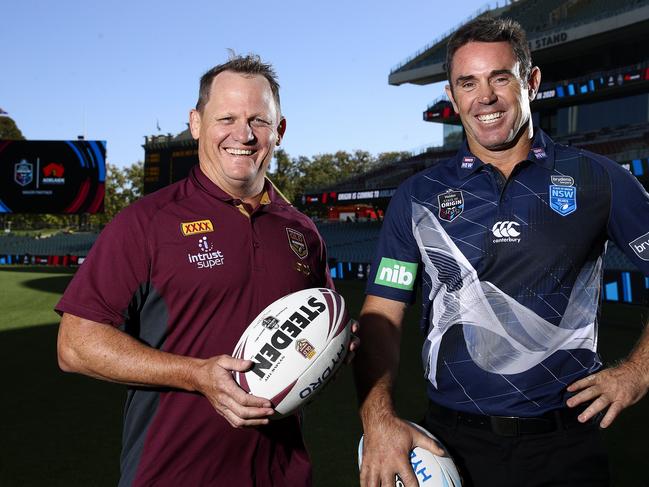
(354, 343)
(615, 388)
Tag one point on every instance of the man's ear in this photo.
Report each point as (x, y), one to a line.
(449, 93)
(194, 123)
(281, 128)
(534, 82)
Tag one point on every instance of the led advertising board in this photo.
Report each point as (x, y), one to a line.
(58, 177)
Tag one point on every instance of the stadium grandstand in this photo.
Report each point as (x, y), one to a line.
(594, 58)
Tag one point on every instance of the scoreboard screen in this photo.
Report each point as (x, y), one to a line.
(59, 177)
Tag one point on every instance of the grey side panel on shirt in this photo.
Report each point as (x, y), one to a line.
(147, 322)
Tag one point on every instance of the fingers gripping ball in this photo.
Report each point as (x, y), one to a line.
(297, 344)
(431, 470)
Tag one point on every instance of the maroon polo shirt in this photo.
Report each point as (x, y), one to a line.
(185, 270)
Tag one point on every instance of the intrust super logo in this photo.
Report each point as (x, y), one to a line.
(194, 228)
(207, 257)
(396, 273)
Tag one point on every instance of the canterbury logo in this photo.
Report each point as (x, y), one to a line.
(193, 228)
(505, 229)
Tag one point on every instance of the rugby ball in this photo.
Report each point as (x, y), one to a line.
(297, 343)
(431, 470)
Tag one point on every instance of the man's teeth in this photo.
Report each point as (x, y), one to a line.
(239, 152)
(490, 117)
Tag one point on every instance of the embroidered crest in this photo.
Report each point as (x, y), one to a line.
(297, 242)
(451, 204)
(563, 199)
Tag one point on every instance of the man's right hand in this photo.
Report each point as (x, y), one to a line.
(239, 408)
(386, 452)
(105, 352)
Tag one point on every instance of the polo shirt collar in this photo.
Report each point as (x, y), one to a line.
(541, 153)
(269, 195)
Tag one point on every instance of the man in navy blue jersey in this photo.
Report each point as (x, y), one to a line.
(506, 240)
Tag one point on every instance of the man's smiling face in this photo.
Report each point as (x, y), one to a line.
(237, 130)
(489, 95)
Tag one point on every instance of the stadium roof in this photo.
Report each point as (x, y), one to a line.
(548, 23)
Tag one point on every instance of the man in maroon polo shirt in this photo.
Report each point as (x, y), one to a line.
(172, 282)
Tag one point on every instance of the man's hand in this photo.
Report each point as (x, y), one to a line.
(615, 388)
(386, 452)
(354, 343)
(239, 408)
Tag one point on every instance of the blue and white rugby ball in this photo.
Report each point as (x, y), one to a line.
(431, 470)
(297, 343)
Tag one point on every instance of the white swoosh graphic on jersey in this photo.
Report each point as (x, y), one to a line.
(501, 335)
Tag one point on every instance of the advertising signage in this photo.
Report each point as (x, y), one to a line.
(59, 177)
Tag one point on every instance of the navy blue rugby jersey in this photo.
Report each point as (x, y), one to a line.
(510, 271)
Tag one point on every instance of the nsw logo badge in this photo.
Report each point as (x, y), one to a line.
(563, 195)
(451, 204)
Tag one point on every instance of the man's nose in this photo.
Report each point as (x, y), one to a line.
(486, 94)
(243, 132)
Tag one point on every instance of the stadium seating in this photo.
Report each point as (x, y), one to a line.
(59, 244)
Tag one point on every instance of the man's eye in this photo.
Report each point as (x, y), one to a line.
(469, 85)
(260, 122)
(226, 119)
(501, 80)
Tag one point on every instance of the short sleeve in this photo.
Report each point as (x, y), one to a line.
(113, 272)
(628, 224)
(394, 270)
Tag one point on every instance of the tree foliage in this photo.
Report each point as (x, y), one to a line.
(9, 130)
(123, 187)
(296, 176)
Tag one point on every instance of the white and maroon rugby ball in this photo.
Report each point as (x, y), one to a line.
(297, 343)
(431, 470)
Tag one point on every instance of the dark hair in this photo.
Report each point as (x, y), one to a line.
(489, 29)
(250, 64)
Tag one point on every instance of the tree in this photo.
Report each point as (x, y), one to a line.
(123, 187)
(9, 130)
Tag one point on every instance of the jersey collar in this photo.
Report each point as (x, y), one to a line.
(541, 153)
(270, 193)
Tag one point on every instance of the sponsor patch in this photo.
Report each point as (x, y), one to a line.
(305, 348)
(396, 273)
(297, 242)
(641, 246)
(561, 180)
(23, 173)
(207, 257)
(506, 231)
(451, 205)
(197, 227)
(539, 153)
(467, 162)
(563, 199)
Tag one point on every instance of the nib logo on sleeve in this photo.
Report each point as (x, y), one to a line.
(396, 274)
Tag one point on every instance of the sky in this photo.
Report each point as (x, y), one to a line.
(117, 70)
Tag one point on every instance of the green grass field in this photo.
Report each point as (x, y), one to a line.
(64, 430)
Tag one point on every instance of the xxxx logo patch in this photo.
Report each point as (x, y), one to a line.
(194, 228)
